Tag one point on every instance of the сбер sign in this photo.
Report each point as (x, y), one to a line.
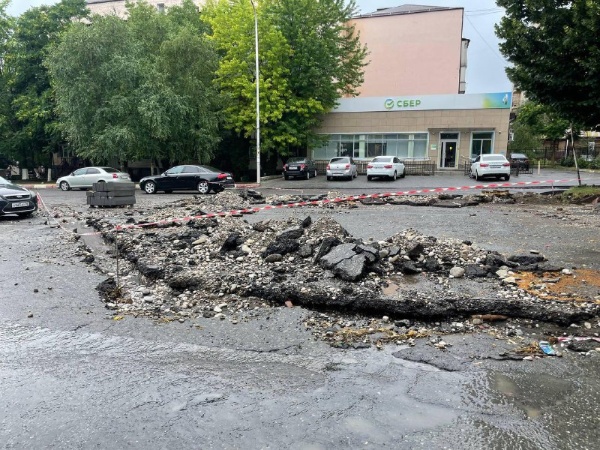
(496, 100)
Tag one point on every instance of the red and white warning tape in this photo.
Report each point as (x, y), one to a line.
(340, 200)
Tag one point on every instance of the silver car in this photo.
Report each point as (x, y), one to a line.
(342, 167)
(385, 167)
(84, 178)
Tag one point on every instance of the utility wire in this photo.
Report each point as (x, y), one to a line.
(484, 12)
(494, 51)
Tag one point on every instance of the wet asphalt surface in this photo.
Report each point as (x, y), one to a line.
(74, 375)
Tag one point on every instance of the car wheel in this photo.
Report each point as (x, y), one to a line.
(403, 173)
(286, 176)
(308, 174)
(477, 177)
(507, 177)
(395, 176)
(64, 186)
(369, 177)
(203, 187)
(150, 187)
(328, 178)
(315, 173)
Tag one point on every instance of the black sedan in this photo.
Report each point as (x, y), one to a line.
(15, 199)
(202, 179)
(299, 167)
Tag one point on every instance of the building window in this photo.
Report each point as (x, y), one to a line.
(367, 146)
(482, 143)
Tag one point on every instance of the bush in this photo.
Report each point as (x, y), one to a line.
(567, 162)
(581, 162)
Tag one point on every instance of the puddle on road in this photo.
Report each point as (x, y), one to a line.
(532, 395)
(395, 283)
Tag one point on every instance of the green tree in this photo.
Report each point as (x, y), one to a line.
(6, 27)
(30, 131)
(554, 48)
(542, 120)
(136, 89)
(309, 58)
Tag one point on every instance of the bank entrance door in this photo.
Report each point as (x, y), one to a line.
(449, 146)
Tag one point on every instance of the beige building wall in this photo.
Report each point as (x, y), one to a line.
(433, 122)
(412, 54)
(117, 7)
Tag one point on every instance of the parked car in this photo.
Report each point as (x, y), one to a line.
(299, 167)
(491, 165)
(15, 199)
(342, 167)
(385, 166)
(202, 179)
(520, 160)
(85, 177)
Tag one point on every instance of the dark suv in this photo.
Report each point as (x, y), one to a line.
(299, 167)
(519, 160)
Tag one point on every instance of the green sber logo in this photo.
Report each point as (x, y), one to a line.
(389, 103)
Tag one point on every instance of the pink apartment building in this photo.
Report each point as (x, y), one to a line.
(413, 50)
(412, 102)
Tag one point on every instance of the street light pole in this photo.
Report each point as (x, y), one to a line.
(257, 94)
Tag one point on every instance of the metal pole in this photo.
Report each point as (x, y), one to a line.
(257, 95)
(575, 156)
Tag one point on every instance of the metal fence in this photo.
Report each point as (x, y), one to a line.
(423, 166)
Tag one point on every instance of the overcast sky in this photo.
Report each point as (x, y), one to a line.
(485, 69)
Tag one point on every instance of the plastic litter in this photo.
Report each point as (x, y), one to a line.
(577, 338)
(547, 348)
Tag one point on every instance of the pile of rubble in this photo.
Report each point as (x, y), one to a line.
(225, 267)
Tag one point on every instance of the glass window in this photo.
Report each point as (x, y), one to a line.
(449, 136)
(191, 169)
(402, 145)
(482, 143)
(349, 146)
(92, 171)
(175, 170)
(79, 172)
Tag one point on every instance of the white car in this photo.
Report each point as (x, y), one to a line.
(385, 166)
(84, 178)
(342, 167)
(492, 165)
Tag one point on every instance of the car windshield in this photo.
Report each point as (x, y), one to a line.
(382, 159)
(518, 155)
(295, 160)
(4, 181)
(109, 170)
(340, 160)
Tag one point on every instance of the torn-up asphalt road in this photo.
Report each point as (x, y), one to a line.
(228, 268)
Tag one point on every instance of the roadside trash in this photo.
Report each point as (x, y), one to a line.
(547, 348)
(578, 338)
(580, 344)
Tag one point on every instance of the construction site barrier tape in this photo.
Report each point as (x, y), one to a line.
(340, 200)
